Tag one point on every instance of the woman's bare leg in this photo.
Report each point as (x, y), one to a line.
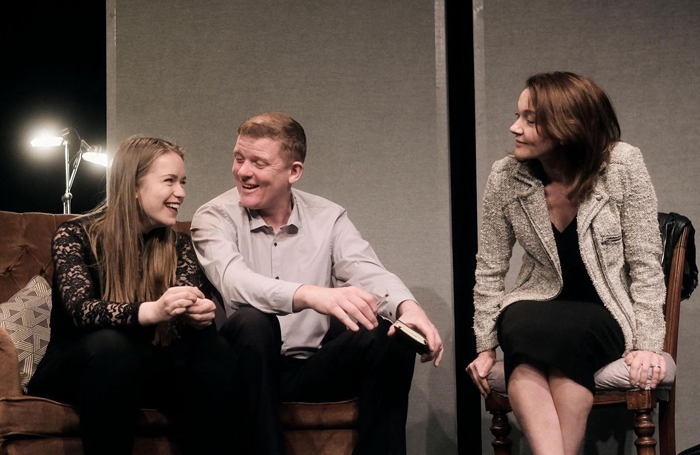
(573, 403)
(531, 399)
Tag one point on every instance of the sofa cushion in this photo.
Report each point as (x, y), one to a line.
(34, 416)
(156, 445)
(329, 442)
(26, 318)
(613, 376)
(28, 415)
(307, 416)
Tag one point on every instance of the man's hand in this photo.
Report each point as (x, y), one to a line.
(201, 314)
(343, 303)
(479, 369)
(411, 314)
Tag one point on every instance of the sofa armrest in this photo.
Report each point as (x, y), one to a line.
(9, 367)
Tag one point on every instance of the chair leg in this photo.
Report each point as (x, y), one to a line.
(644, 429)
(667, 425)
(500, 428)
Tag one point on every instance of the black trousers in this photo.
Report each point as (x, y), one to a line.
(366, 364)
(109, 374)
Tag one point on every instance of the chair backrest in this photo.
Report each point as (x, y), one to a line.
(25, 248)
(672, 307)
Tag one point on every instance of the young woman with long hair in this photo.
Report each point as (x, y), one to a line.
(581, 204)
(131, 323)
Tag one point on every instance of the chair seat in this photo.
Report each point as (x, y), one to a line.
(613, 376)
(35, 416)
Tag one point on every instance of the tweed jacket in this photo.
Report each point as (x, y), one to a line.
(618, 236)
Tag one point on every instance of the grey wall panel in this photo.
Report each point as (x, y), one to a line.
(366, 80)
(644, 53)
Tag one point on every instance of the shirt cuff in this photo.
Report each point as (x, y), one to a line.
(390, 308)
(284, 297)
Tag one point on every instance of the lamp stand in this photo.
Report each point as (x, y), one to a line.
(67, 196)
(70, 136)
(70, 175)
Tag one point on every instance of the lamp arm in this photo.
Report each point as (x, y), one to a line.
(78, 159)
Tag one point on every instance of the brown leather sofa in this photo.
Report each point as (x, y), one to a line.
(32, 425)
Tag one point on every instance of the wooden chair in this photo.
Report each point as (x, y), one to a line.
(640, 402)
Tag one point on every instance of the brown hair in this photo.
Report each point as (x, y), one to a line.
(132, 266)
(278, 126)
(578, 116)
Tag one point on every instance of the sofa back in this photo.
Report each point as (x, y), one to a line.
(25, 248)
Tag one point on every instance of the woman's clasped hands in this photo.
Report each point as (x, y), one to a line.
(185, 301)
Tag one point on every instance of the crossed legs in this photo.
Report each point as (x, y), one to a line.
(551, 409)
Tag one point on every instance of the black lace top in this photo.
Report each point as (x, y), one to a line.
(76, 294)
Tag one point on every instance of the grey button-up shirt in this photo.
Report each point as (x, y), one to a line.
(251, 265)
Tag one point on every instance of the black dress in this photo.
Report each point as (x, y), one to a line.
(574, 333)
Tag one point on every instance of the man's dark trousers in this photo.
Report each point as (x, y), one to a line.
(367, 364)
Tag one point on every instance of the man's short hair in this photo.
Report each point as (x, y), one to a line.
(278, 126)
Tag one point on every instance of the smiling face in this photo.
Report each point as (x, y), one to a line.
(264, 176)
(161, 191)
(529, 144)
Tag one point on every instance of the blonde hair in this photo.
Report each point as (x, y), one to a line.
(132, 266)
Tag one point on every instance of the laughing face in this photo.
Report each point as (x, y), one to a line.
(529, 144)
(264, 176)
(161, 191)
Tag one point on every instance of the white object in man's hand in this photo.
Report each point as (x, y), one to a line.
(411, 314)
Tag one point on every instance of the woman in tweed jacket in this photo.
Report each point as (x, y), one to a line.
(591, 288)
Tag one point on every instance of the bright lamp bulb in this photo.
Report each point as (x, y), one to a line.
(96, 157)
(47, 140)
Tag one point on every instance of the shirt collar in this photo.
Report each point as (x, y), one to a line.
(294, 219)
(293, 223)
(256, 220)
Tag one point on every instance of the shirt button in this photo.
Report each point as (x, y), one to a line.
(277, 278)
(598, 197)
(275, 243)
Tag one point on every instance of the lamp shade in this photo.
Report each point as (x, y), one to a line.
(47, 140)
(96, 157)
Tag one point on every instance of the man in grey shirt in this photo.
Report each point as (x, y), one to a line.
(290, 264)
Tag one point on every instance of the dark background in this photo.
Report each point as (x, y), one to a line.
(54, 76)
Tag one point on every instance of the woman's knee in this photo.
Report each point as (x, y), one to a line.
(112, 347)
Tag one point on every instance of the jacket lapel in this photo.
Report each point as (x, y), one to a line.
(532, 201)
(590, 207)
